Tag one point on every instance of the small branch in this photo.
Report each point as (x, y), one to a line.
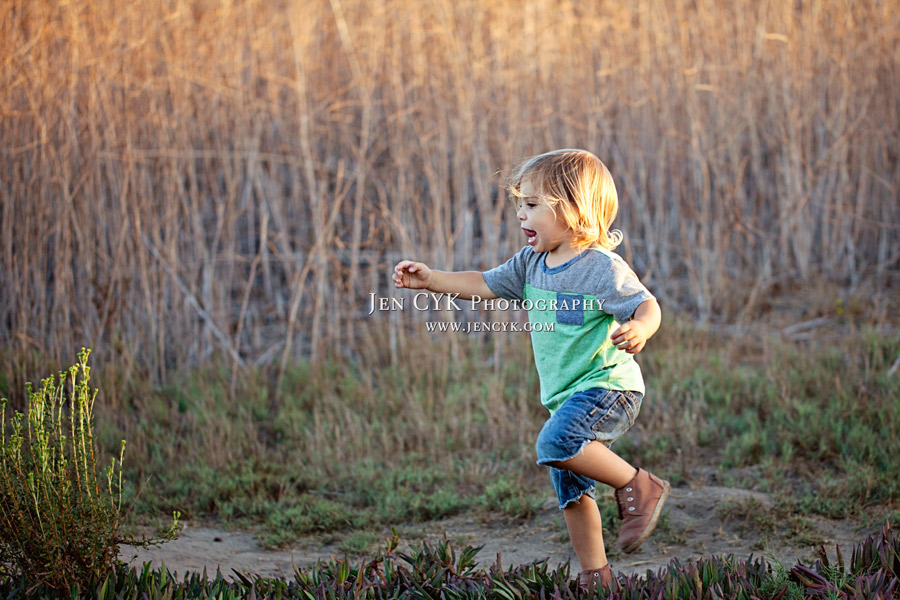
(192, 300)
(796, 328)
(894, 367)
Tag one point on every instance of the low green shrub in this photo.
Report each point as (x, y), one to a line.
(444, 572)
(59, 520)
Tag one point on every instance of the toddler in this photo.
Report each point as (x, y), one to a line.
(594, 316)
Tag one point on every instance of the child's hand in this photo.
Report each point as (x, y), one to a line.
(631, 336)
(412, 275)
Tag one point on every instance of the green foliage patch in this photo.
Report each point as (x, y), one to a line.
(443, 572)
(348, 445)
(360, 445)
(60, 517)
(819, 420)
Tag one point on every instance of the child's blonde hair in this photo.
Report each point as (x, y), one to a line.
(576, 185)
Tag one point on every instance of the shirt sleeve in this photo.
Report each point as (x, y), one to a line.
(622, 292)
(508, 280)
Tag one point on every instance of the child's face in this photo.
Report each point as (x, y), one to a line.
(544, 232)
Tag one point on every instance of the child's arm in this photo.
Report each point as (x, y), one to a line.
(633, 335)
(417, 276)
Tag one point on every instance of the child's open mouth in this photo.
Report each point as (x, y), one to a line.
(532, 235)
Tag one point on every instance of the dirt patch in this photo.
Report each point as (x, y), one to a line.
(697, 522)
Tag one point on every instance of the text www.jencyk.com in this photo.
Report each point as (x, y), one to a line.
(482, 327)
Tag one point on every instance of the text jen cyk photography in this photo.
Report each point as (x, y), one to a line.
(428, 301)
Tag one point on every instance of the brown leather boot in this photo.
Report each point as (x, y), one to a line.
(640, 503)
(592, 579)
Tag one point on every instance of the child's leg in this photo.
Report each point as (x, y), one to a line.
(586, 532)
(600, 464)
(574, 441)
(576, 438)
(639, 495)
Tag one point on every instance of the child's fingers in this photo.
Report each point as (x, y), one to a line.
(398, 273)
(401, 273)
(628, 338)
(408, 266)
(621, 334)
(409, 273)
(635, 348)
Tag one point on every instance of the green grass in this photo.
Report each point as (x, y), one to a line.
(778, 585)
(818, 419)
(450, 571)
(775, 524)
(363, 445)
(338, 449)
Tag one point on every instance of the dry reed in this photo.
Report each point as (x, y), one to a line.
(184, 179)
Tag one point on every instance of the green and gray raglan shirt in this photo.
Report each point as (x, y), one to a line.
(585, 299)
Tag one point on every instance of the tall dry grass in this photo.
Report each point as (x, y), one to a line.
(187, 179)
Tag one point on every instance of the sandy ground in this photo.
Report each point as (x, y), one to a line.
(695, 524)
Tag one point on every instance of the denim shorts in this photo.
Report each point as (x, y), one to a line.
(593, 415)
